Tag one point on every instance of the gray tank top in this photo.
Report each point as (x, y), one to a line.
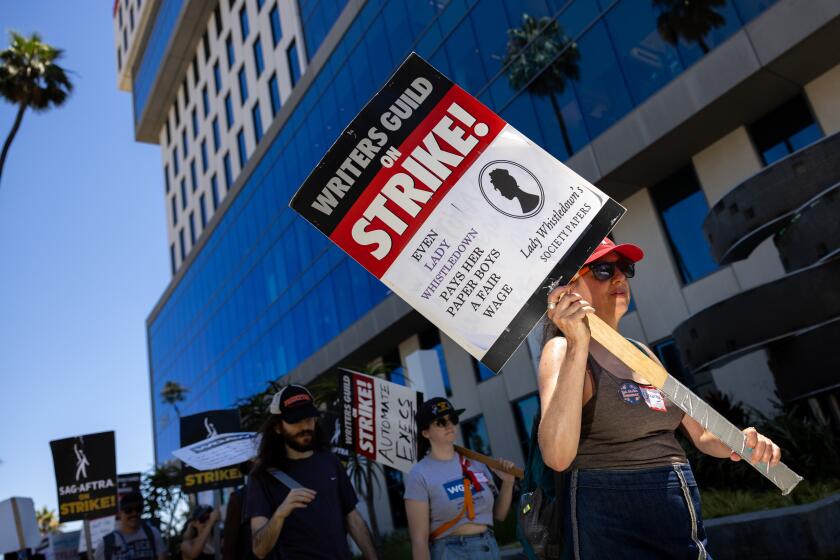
(619, 430)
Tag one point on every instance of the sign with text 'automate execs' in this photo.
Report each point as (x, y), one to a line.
(454, 210)
(377, 419)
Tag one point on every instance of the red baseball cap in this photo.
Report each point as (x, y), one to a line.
(627, 250)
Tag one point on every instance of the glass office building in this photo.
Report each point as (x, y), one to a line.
(257, 293)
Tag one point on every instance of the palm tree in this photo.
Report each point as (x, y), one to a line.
(542, 57)
(165, 502)
(29, 77)
(690, 19)
(47, 521)
(173, 393)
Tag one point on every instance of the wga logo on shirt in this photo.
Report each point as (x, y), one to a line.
(454, 488)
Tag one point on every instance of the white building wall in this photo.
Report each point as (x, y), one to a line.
(721, 167)
(824, 96)
(275, 60)
(130, 20)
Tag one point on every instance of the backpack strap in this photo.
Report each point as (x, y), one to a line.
(285, 479)
(469, 505)
(108, 543)
(150, 535)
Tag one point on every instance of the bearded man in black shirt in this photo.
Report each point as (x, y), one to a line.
(299, 498)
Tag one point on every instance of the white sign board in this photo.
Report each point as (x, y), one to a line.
(219, 451)
(377, 419)
(18, 525)
(455, 210)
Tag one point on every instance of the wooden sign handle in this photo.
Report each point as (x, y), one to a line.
(489, 461)
(681, 396)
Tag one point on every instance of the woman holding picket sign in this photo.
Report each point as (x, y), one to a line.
(629, 490)
(451, 501)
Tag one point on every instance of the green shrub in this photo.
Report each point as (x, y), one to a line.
(717, 503)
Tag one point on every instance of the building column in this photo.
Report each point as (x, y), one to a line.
(824, 96)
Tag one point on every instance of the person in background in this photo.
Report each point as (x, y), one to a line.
(133, 539)
(450, 501)
(629, 490)
(299, 499)
(236, 537)
(197, 543)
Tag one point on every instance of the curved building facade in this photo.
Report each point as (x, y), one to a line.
(245, 96)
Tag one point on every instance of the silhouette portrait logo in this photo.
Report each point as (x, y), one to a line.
(511, 189)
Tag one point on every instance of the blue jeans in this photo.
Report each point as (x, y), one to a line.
(643, 513)
(481, 547)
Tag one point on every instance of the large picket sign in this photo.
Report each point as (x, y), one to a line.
(455, 210)
(198, 427)
(86, 476)
(377, 419)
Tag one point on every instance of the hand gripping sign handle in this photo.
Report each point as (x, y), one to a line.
(780, 475)
(489, 461)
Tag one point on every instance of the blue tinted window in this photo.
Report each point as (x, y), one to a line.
(214, 191)
(174, 205)
(601, 87)
(524, 412)
(241, 149)
(202, 205)
(648, 62)
(217, 77)
(482, 372)
(228, 172)
(181, 243)
(166, 177)
(260, 4)
(194, 123)
(259, 63)
(175, 163)
(258, 127)
(669, 354)
(276, 30)
(184, 144)
(243, 23)
(216, 135)
(748, 9)
(183, 193)
(274, 94)
(205, 101)
(294, 65)
(203, 155)
(683, 208)
(172, 258)
(228, 110)
(193, 178)
(192, 229)
(243, 85)
(474, 432)
(231, 55)
(784, 130)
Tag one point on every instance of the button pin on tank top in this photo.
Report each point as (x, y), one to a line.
(630, 393)
(653, 398)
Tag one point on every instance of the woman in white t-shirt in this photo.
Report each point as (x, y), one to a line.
(450, 501)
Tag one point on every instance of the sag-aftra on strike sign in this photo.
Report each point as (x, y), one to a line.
(454, 210)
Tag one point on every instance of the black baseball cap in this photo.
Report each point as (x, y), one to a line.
(294, 403)
(435, 408)
(132, 499)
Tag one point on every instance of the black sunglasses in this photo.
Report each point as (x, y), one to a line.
(443, 422)
(605, 270)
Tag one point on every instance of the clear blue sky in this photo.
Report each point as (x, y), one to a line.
(83, 258)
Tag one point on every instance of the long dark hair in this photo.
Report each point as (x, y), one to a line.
(423, 443)
(272, 449)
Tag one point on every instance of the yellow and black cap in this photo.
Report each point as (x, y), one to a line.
(433, 409)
